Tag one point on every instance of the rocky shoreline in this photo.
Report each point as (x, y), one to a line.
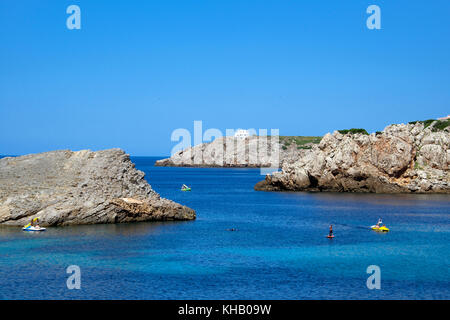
(83, 187)
(230, 152)
(403, 158)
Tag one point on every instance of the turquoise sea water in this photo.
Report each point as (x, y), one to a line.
(279, 250)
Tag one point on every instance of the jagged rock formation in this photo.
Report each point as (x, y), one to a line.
(401, 159)
(84, 187)
(253, 151)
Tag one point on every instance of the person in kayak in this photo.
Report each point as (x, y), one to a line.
(35, 222)
(331, 231)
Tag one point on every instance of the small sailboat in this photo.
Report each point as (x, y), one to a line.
(185, 188)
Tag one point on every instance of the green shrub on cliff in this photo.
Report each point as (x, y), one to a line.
(417, 166)
(437, 125)
(426, 123)
(353, 131)
(299, 140)
(441, 125)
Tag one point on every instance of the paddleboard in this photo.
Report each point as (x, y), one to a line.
(330, 237)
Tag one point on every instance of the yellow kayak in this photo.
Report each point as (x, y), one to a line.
(381, 229)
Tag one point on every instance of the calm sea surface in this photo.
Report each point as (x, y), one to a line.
(279, 250)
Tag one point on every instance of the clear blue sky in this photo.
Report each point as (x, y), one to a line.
(137, 70)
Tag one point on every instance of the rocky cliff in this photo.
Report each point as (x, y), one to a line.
(403, 158)
(84, 187)
(253, 151)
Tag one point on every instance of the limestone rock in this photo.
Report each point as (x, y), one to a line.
(402, 158)
(253, 151)
(84, 187)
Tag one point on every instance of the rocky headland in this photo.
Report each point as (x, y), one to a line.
(83, 187)
(251, 152)
(403, 158)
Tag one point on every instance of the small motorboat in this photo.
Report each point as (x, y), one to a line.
(33, 228)
(380, 229)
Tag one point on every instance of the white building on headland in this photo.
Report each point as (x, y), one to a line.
(241, 134)
(445, 118)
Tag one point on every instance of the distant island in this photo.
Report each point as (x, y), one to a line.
(248, 152)
(403, 158)
(84, 187)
